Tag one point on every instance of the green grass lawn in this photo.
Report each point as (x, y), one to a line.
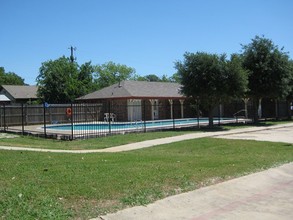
(37, 185)
(94, 143)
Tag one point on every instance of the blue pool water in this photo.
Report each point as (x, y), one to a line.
(134, 125)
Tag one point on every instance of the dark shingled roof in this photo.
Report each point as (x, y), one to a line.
(21, 92)
(137, 89)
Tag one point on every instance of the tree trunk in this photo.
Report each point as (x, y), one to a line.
(255, 110)
(245, 100)
(259, 108)
(276, 109)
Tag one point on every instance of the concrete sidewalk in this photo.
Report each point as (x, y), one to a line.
(263, 195)
(167, 140)
(277, 134)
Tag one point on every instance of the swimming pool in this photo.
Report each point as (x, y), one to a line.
(103, 126)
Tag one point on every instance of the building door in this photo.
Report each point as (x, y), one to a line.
(134, 110)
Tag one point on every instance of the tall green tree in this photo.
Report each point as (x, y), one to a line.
(57, 80)
(62, 80)
(110, 73)
(10, 78)
(165, 78)
(86, 79)
(152, 78)
(289, 97)
(211, 79)
(268, 68)
(155, 78)
(175, 78)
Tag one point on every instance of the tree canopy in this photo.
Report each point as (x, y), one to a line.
(261, 70)
(211, 78)
(152, 78)
(155, 78)
(10, 78)
(86, 79)
(268, 68)
(269, 72)
(110, 73)
(175, 78)
(289, 97)
(62, 80)
(290, 94)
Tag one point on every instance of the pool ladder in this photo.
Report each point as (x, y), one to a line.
(138, 125)
(237, 116)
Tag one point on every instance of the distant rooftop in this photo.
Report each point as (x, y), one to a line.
(137, 89)
(21, 92)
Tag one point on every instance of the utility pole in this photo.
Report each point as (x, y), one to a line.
(71, 54)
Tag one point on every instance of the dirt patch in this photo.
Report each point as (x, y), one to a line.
(5, 135)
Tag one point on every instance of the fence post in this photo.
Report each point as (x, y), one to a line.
(197, 106)
(44, 110)
(109, 113)
(219, 115)
(86, 110)
(4, 114)
(71, 119)
(144, 117)
(254, 107)
(22, 119)
(173, 118)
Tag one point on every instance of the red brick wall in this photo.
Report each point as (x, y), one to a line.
(119, 108)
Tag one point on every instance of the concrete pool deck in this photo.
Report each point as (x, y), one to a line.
(81, 130)
(276, 133)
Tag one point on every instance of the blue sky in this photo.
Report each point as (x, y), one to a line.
(148, 35)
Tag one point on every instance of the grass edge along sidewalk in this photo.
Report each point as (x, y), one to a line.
(87, 144)
(266, 197)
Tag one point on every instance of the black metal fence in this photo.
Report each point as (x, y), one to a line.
(85, 120)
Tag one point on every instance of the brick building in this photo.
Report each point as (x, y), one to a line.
(140, 100)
